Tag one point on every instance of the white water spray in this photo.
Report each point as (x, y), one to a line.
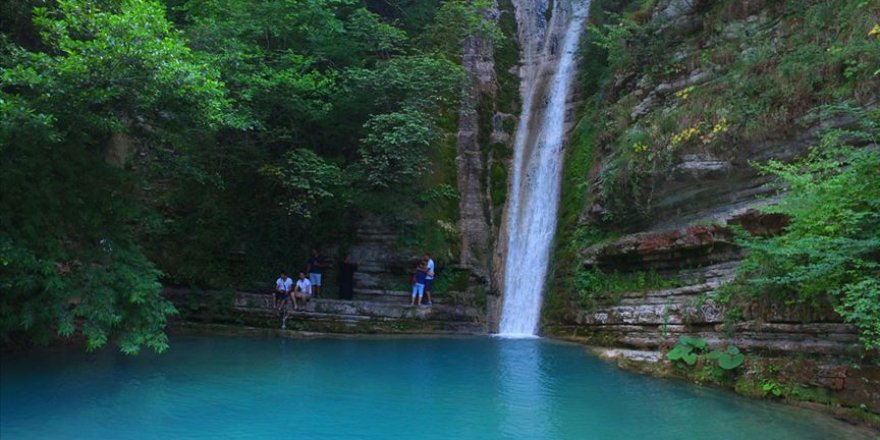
(549, 68)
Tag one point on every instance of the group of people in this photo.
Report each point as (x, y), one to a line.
(308, 285)
(309, 282)
(286, 290)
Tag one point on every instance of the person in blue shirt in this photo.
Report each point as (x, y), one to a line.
(419, 284)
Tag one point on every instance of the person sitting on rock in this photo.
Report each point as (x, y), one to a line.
(283, 286)
(302, 291)
(419, 284)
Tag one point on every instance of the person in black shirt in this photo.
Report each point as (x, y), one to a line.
(346, 277)
(316, 270)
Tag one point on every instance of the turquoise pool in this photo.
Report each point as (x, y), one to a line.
(373, 388)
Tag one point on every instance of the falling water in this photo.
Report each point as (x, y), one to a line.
(549, 65)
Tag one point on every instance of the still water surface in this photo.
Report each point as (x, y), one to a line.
(373, 388)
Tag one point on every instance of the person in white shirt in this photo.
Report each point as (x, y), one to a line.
(303, 290)
(429, 278)
(283, 286)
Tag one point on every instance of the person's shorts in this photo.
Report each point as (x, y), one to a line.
(429, 285)
(281, 296)
(302, 295)
(418, 290)
(315, 279)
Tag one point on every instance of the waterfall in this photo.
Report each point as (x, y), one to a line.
(549, 65)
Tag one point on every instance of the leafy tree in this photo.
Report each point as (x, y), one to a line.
(307, 177)
(831, 249)
(146, 141)
(458, 20)
(396, 144)
(70, 260)
(123, 62)
(67, 260)
(395, 148)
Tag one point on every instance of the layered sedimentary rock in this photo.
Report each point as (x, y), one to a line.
(688, 238)
(805, 345)
(381, 263)
(391, 315)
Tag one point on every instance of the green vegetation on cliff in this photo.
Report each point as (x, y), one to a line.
(830, 251)
(752, 74)
(720, 81)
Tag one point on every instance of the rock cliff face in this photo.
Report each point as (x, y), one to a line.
(474, 219)
(687, 239)
(381, 263)
(806, 347)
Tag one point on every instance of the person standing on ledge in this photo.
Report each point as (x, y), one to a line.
(346, 277)
(303, 290)
(316, 270)
(429, 278)
(418, 288)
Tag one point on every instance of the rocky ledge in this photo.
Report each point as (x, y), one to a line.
(392, 315)
(808, 349)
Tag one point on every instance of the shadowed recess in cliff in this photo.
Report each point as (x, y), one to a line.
(549, 66)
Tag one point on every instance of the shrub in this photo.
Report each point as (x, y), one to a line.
(830, 252)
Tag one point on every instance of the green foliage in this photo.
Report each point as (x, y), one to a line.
(689, 350)
(17, 116)
(369, 36)
(394, 150)
(451, 281)
(622, 39)
(458, 20)
(829, 251)
(728, 359)
(439, 194)
(686, 350)
(67, 262)
(764, 77)
(572, 235)
(70, 262)
(776, 387)
(596, 282)
(307, 177)
(126, 64)
(208, 143)
(770, 387)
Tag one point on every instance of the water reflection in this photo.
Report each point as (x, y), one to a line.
(523, 389)
(431, 388)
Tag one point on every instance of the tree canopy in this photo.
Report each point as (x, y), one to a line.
(143, 142)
